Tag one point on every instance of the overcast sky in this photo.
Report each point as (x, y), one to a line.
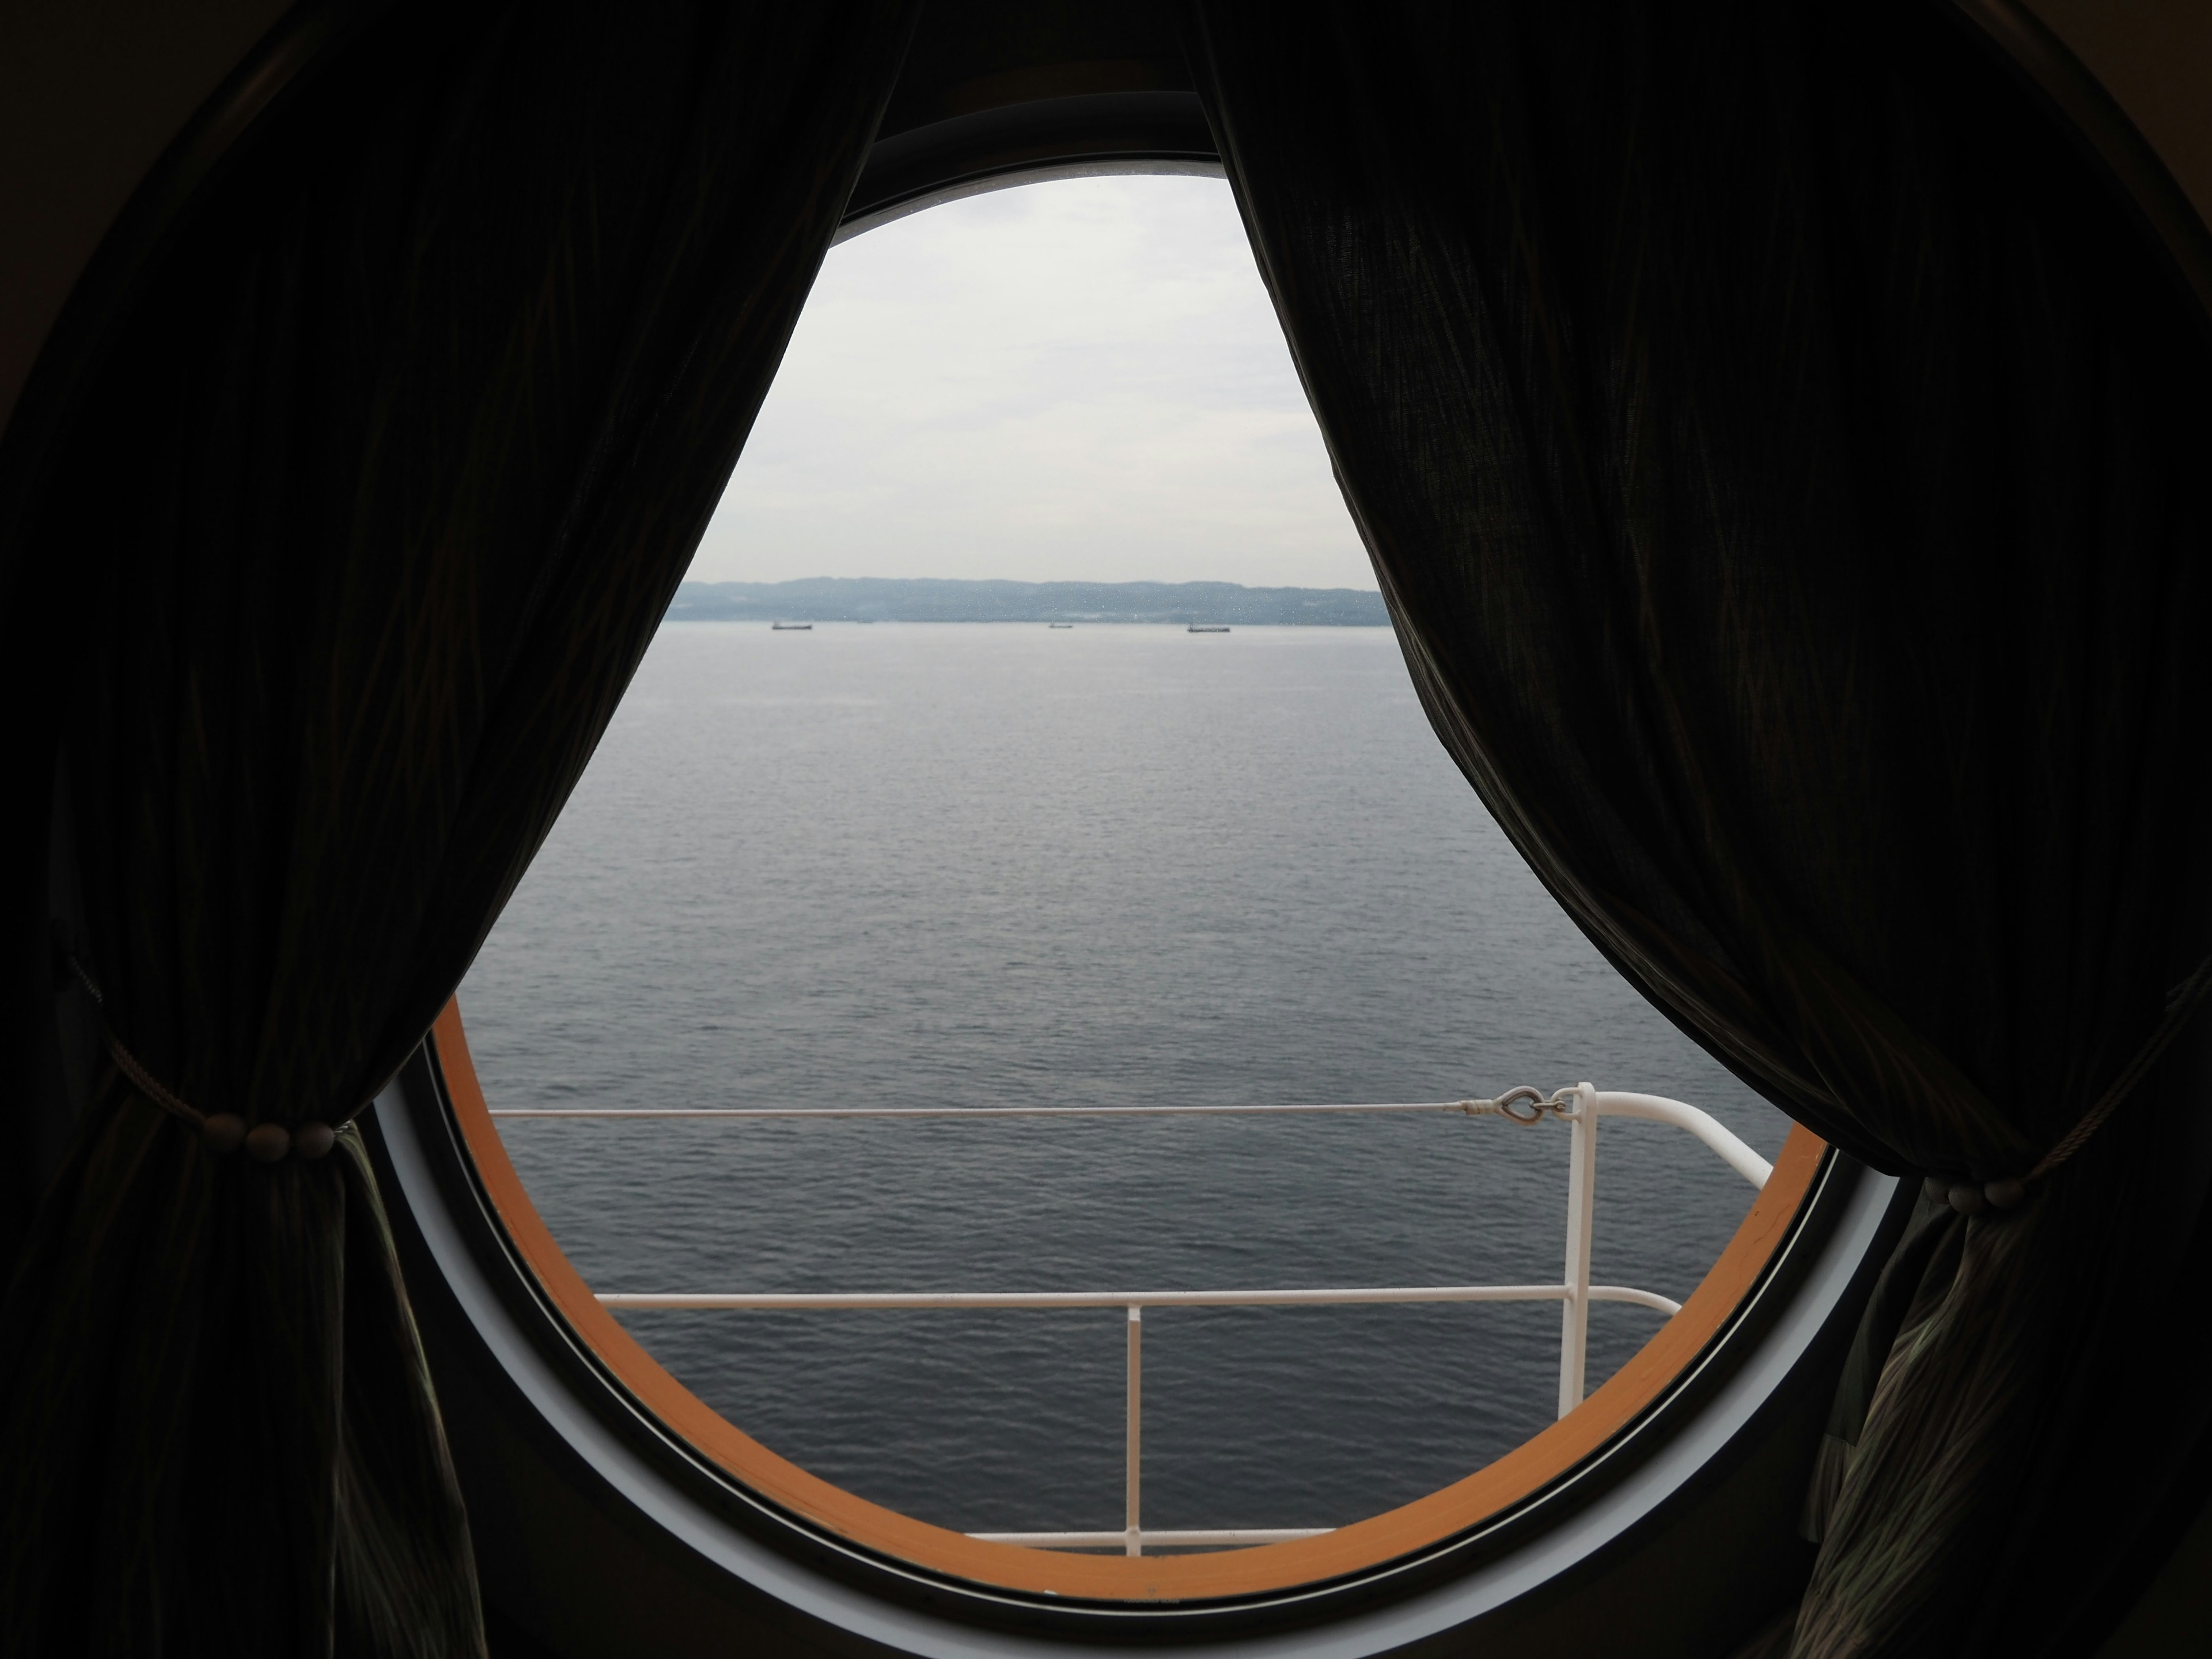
(1080, 380)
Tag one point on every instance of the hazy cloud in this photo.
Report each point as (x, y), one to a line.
(1074, 380)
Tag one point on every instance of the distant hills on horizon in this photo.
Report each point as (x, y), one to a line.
(872, 599)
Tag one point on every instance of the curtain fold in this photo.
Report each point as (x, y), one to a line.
(366, 526)
(1787, 466)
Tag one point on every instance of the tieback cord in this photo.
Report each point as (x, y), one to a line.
(1970, 1197)
(220, 1133)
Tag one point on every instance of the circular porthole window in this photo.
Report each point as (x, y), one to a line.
(1007, 1060)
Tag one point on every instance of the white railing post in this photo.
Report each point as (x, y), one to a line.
(1582, 1209)
(1134, 1447)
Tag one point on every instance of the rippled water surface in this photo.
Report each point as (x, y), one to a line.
(998, 864)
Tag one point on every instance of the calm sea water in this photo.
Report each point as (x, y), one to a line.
(998, 864)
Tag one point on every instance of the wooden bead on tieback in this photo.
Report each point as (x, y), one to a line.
(313, 1140)
(266, 1143)
(1970, 1197)
(223, 1134)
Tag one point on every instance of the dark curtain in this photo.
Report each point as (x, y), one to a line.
(357, 543)
(1786, 462)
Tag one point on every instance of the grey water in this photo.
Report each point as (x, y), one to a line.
(909, 865)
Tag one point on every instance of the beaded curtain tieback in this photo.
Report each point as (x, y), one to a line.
(1970, 1195)
(220, 1133)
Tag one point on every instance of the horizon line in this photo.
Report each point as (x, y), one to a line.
(1024, 581)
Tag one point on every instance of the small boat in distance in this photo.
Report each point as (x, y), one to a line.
(791, 628)
(1209, 627)
(1060, 624)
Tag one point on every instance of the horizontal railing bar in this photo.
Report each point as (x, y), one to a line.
(770, 1300)
(1081, 1299)
(1651, 1299)
(1464, 1108)
(1654, 1108)
(1148, 1538)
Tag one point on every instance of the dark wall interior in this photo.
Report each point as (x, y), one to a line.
(968, 56)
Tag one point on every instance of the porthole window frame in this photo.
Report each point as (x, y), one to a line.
(492, 1326)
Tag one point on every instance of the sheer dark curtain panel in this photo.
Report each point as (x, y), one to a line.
(1786, 461)
(356, 544)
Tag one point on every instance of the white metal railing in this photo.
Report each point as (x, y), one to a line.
(1579, 1108)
